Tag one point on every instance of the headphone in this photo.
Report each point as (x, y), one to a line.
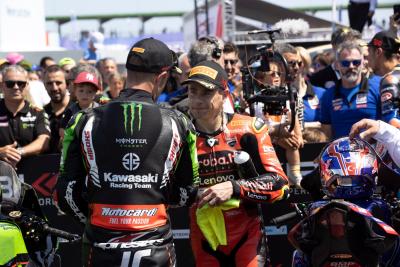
(216, 52)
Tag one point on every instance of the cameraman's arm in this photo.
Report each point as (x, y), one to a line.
(298, 134)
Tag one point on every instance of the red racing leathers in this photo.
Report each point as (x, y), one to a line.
(245, 243)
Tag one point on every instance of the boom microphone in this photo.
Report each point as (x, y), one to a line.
(269, 31)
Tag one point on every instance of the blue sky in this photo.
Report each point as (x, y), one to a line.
(126, 27)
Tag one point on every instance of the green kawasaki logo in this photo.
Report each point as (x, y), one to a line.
(129, 116)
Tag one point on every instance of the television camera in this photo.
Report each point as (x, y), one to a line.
(274, 97)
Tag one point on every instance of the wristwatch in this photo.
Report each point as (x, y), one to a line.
(20, 151)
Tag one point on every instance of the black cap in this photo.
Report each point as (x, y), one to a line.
(208, 74)
(387, 41)
(149, 55)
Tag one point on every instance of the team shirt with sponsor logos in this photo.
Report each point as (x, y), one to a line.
(24, 127)
(216, 158)
(138, 159)
(342, 107)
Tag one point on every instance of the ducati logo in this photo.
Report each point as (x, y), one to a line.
(131, 161)
(212, 142)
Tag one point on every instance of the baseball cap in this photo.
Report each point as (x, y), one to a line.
(387, 41)
(208, 74)
(66, 61)
(87, 77)
(149, 55)
(97, 38)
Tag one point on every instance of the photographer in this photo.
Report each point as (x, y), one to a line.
(276, 116)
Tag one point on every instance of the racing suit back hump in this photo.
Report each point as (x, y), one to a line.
(138, 158)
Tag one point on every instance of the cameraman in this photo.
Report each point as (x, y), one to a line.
(276, 116)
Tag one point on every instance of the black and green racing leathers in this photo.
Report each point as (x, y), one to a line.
(123, 164)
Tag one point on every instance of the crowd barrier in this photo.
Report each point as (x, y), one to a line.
(42, 171)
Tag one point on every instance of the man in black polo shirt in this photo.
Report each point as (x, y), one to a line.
(55, 82)
(24, 129)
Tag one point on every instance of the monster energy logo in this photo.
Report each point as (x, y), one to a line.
(129, 116)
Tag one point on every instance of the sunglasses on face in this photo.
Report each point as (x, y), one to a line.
(232, 61)
(346, 63)
(294, 62)
(11, 84)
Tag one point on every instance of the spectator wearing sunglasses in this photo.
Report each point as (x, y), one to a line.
(231, 59)
(356, 97)
(329, 76)
(24, 129)
(384, 60)
(55, 83)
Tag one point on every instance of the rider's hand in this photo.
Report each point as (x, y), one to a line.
(365, 128)
(10, 154)
(216, 194)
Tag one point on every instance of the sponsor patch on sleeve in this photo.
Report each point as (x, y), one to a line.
(258, 124)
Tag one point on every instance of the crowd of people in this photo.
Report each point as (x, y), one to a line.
(167, 132)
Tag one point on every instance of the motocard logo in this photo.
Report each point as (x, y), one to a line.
(131, 161)
(88, 145)
(45, 184)
(125, 212)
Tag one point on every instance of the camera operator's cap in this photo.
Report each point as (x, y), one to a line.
(150, 55)
(387, 41)
(87, 77)
(208, 74)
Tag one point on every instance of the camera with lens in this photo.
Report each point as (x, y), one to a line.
(270, 97)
